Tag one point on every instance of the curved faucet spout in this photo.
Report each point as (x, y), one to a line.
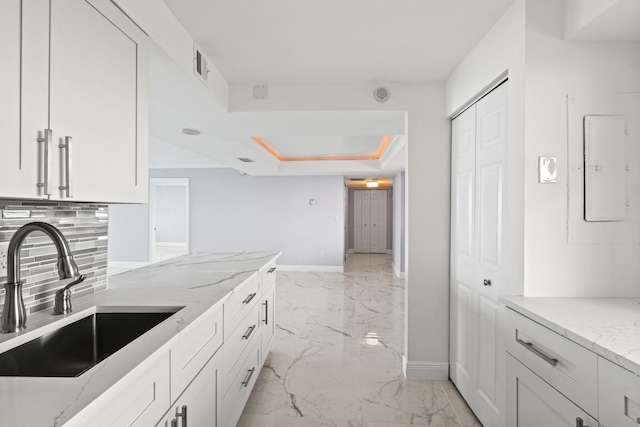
(14, 314)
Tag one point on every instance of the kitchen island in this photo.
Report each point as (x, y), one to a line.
(208, 292)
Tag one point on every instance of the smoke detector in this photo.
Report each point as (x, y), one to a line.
(381, 94)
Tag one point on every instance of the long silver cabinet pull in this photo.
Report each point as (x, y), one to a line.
(248, 377)
(182, 414)
(529, 346)
(249, 332)
(174, 422)
(248, 299)
(45, 162)
(66, 167)
(266, 312)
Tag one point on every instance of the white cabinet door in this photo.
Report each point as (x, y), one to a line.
(201, 401)
(478, 240)
(531, 402)
(18, 169)
(97, 96)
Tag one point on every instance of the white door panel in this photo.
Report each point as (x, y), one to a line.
(478, 248)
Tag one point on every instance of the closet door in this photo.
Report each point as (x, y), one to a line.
(378, 217)
(463, 291)
(358, 224)
(478, 243)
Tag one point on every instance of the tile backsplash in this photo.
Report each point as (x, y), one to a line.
(84, 226)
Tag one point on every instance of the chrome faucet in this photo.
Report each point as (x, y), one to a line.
(14, 315)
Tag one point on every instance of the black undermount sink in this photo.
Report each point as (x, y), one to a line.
(75, 348)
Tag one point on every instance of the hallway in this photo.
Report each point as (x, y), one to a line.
(337, 356)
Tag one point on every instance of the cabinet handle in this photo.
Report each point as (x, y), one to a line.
(486, 282)
(248, 377)
(66, 170)
(45, 161)
(271, 270)
(249, 332)
(580, 422)
(174, 422)
(248, 299)
(182, 415)
(529, 346)
(266, 312)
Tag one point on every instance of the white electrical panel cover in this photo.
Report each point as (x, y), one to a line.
(605, 168)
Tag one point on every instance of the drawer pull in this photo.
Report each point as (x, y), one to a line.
(266, 312)
(249, 332)
(248, 377)
(182, 414)
(486, 282)
(580, 422)
(529, 346)
(248, 299)
(271, 270)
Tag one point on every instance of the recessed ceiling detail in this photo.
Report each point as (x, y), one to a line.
(375, 156)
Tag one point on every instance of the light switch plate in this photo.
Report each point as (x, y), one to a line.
(547, 170)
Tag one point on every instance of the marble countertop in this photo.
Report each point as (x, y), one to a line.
(609, 327)
(194, 283)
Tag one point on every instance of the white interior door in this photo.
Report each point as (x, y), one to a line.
(358, 224)
(169, 211)
(463, 294)
(478, 266)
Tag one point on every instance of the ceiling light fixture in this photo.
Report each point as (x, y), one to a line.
(372, 184)
(190, 132)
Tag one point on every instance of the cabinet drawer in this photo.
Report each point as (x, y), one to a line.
(619, 396)
(268, 275)
(140, 399)
(531, 402)
(247, 332)
(241, 301)
(568, 367)
(194, 347)
(242, 385)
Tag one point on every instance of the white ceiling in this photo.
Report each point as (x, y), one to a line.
(257, 41)
(337, 40)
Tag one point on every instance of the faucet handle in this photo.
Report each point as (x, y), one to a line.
(62, 301)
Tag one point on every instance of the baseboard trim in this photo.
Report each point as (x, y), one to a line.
(399, 274)
(425, 370)
(312, 268)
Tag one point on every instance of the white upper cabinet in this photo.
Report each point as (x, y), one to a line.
(83, 102)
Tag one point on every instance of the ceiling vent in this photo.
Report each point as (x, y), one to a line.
(245, 159)
(200, 68)
(381, 94)
(260, 92)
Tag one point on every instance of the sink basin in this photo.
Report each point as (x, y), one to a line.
(75, 348)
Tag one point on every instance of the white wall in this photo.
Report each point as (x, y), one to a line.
(427, 197)
(398, 225)
(230, 212)
(556, 68)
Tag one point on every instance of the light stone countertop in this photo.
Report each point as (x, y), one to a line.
(198, 282)
(609, 327)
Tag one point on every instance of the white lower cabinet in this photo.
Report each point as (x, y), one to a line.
(619, 394)
(532, 402)
(199, 405)
(139, 399)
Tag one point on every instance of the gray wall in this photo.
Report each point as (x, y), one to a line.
(85, 228)
(229, 211)
(390, 215)
(398, 222)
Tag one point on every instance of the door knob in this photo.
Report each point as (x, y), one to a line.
(486, 282)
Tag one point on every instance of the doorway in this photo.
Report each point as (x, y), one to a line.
(169, 218)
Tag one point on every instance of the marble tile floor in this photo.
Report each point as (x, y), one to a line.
(336, 359)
